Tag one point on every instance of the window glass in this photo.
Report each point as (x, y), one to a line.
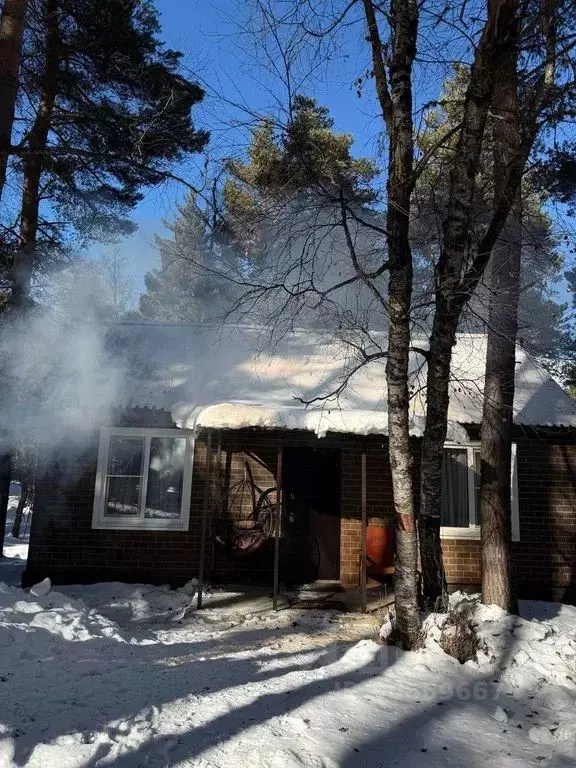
(124, 476)
(165, 478)
(454, 508)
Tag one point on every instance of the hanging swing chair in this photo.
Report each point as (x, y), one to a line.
(244, 535)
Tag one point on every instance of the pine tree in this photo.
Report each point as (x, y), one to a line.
(499, 382)
(12, 23)
(541, 318)
(105, 111)
(569, 367)
(463, 258)
(305, 160)
(510, 302)
(556, 175)
(198, 273)
(110, 116)
(305, 155)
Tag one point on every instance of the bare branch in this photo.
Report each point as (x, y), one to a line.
(379, 63)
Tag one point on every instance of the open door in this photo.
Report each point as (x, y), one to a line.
(311, 483)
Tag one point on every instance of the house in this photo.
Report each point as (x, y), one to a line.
(183, 473)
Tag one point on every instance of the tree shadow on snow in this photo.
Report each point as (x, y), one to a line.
(429, 737)
(264, 708)
(441, 733)
(109, 681)
(113, 687)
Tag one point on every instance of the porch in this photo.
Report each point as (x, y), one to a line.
(297, 513)
(332, 597)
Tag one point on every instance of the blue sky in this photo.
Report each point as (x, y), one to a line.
(230, 67)
(215, 51)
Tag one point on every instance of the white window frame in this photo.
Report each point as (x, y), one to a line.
(100, 521)
(473, 531)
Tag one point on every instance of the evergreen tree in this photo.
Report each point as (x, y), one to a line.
(12, 23)
(105, 112)
(569, 366)
(305, 155)
(541, 319)
(556, 175)
(305, 160)
(283, 208)
(198, 273)
(216, 251)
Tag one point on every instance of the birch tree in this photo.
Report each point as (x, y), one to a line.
(391, 41)
(460, 263)
(494, 308)
(394, 90)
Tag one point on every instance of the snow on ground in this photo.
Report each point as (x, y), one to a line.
(131, 675)
(15, 550)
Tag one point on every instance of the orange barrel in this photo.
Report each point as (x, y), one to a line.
(379, 550)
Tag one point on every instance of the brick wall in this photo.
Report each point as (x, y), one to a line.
(544, 559)
(64, 546)
(462, 561)
(378, 499)
(545, 556)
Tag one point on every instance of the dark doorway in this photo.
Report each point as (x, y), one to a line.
(311, 483)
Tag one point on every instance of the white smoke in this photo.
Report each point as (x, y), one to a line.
(58, 383)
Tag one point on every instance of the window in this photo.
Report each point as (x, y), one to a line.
(460, 511)
(460, 487)
(143, 479)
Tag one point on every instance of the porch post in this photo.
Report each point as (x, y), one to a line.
(277, 528)
(216, 490)
(205, 503)
(363, 535)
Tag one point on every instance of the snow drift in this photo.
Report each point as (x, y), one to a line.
(118, 675)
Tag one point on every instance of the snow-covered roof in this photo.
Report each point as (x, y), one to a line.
(232, 377)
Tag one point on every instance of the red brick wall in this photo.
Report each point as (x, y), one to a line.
(378, 499)
(64, 546)
(462, 561)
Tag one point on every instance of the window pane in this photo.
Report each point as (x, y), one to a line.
(125, 456)
(122, 496)
(165, 478)
(124, 476)
(455, 510)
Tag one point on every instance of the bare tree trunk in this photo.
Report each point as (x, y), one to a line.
(396, 107)
(33, 163)
(22, 501)
(497, 416)
(5, 477)
(12, 24)
(452, 291)
(443, 337)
